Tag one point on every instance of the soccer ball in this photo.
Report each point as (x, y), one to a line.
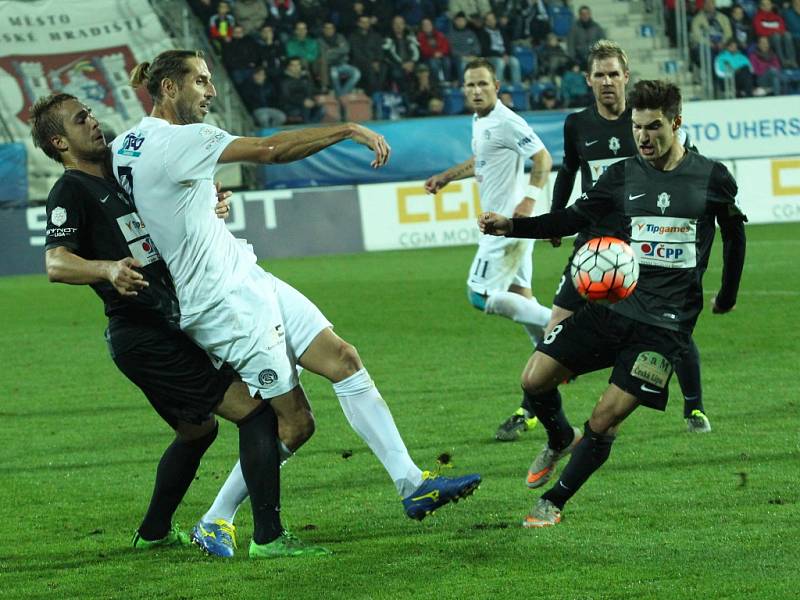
(604, 269)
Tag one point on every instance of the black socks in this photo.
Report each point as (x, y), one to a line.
(260, 460)
(588, 456)
(174, 475)
(688, 372)
(547, 408)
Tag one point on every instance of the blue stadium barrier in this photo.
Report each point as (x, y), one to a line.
(14, 175)
(420, 148)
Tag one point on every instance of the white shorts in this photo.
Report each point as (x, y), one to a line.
(499, 263)
(259, 329)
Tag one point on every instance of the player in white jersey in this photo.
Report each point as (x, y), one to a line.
(499, 280)
(232, 308)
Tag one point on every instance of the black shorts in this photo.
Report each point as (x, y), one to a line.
(642, 355)
(567, 296)
(177, 376)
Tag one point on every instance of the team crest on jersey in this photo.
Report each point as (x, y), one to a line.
(58, 216)
(613, 144)
(267, 377)
(487, 135)
(663, 201)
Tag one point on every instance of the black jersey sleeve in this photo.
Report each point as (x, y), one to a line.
(565, 180)
(722, 204)
(592, 206)
(66, 217)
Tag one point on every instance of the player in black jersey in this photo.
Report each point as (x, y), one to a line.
(670, 199)
(594, 139)
(95, 237)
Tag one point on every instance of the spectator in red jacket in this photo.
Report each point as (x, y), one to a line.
(766, 67)
(435, 51)
(220, 28)
(769, 23)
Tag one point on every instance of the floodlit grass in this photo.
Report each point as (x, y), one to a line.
(671, 515)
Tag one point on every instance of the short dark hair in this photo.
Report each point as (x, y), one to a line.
(170, 64)
(481, 63)
(46, 123)
(656, 94)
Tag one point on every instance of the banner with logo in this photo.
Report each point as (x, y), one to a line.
(80, 47)
(420, 148)
(404, 215)
(276, 223)
(745, 127)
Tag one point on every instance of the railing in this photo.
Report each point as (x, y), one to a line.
(182, 25)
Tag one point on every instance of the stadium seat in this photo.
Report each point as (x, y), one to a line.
(527, 61)
(790, 81)
(750, 7)
(442, 23)
(539, 87)
(519, 95)
(357, 106)
(331, 109)
(647, 31)
(388, 106)
(453, 101)
(561, 20)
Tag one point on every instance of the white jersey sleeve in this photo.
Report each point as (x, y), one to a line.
(193, 151)
(519, 137)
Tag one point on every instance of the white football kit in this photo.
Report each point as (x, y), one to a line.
(501, 142)
(230, 307)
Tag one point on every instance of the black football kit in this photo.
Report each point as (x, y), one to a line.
(96, 220)
(669, 219)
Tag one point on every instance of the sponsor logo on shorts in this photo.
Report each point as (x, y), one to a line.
(267, 377)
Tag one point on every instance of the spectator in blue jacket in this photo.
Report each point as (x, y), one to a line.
(731, 63)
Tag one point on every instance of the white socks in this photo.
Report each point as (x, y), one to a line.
(234, 491)
(370, 418)
(526, 311)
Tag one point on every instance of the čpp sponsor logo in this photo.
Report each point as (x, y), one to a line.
(661, 251)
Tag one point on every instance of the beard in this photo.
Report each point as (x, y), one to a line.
(94, 155)
(187, 114)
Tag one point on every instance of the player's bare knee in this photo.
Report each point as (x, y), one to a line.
(297, 431)
(533, 383)
(349, 362)
(190, 432)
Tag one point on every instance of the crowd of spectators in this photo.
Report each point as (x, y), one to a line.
(754, 45)
(284, 56)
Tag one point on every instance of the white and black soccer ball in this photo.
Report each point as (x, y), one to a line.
(604, 269)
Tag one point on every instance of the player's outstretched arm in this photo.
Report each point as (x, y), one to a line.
(460, 171)
(492, 223)
(289, 146)
(64, 266)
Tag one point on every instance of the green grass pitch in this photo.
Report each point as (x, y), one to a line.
(670, 515)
